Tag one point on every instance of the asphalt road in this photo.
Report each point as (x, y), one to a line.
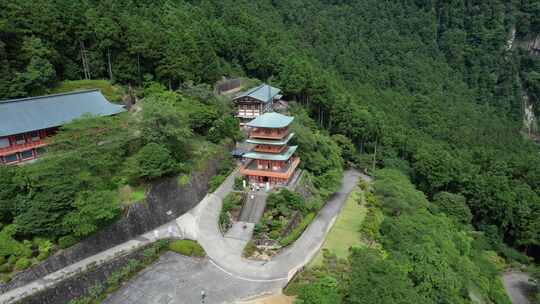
(517, 286)
(178, 279)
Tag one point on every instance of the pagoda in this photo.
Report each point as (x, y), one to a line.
(272, 161)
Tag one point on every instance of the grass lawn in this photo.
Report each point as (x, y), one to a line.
(345, 233)
(112, 92)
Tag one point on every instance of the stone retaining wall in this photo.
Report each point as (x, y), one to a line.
(165, 201)
(79, 285)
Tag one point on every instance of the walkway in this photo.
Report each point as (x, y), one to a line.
(225, 276)
(201, 223)
(253, 208)
(282, 267)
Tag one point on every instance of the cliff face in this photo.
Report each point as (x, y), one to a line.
(531, 43)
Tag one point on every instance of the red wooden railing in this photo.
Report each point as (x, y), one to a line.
(22, 147)
(244, 170)
(269, 135)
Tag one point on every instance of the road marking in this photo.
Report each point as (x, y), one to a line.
(246, 279)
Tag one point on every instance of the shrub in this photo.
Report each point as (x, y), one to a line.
(274, 234)
(295, 234)
(22, 263)
(454, 205)
(67, 241)
(250, 249)
(5, 268)
(187, 247)
(44, 248)
(184, 179)
(239, 183)
(215, 182)
(5, 278)
(151, 161)
(12, 259)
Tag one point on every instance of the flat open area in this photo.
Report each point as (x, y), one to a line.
(345, 232)
(175, 278)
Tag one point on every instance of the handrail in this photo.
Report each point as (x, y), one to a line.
(22, 147)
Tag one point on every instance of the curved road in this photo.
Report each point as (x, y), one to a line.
(226, 253)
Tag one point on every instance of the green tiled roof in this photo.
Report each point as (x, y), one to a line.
(263, 92)
(42, 112)
(280, 142)
(271, 120)
(269, 156)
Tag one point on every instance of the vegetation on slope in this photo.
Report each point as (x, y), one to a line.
(414, 256)
(80, 185)
(425, 87)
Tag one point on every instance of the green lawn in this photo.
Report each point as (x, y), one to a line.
(345, 233)
(112, 92)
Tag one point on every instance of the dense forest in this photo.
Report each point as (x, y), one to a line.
(426, 87)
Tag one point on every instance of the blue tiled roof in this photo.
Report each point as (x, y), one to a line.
(263, 92)
(42, 112)
(271, 120)
(270, 156)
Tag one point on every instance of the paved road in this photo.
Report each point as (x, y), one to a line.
(179, 279)
(225, 275)
(282, 267)
(517, 286)
(201, 223)
(166, 231)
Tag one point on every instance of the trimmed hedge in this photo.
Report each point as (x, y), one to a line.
(187, 247)
(295, 234)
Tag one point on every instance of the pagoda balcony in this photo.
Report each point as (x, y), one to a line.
(250, 169)
(23, 147)
(265, 134)
(270, 149)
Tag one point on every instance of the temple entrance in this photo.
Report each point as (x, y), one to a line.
(265, 179)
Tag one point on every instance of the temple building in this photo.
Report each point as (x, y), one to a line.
(255, 102)
(272, 161)
(26, 123)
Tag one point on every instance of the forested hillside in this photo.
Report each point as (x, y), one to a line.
(428, 87)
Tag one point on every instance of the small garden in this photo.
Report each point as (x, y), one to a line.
(285, 218)
(232, 205)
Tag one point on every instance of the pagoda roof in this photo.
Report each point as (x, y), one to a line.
(271, 120)
(270, 156)
(42, 112)
(279, 142)
(264, 93)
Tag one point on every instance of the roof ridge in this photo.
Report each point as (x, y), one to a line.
(48, 96)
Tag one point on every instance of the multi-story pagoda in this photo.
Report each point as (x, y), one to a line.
(272, 161)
